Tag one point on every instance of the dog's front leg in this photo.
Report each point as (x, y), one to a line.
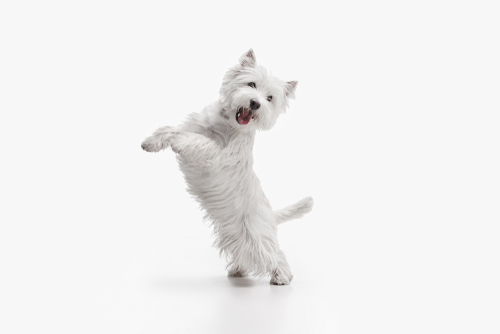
(160, 139)
(195, 148)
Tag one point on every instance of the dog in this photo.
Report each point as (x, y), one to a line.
(214, 152)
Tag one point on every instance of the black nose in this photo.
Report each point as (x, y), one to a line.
(254, 104)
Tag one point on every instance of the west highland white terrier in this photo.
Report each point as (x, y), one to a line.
(214, 151)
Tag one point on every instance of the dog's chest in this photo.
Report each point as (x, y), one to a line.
(230, 181)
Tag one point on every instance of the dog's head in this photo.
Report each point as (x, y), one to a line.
(252, 98)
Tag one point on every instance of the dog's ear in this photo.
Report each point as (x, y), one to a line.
(290, 87)
(248, 59)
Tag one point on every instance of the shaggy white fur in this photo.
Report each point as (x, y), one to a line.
(214, 151)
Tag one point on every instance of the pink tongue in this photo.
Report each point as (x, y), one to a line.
(245, 116)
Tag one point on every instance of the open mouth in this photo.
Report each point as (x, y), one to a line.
(244, 115)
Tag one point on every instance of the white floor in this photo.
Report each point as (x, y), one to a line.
(179, 286)
(160, 284)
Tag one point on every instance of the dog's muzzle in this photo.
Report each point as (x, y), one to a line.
(244, 116)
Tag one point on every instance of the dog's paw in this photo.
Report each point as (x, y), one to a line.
(236, 274)
(152, 144)
(160, 140)
(281, 279)
(176, 147)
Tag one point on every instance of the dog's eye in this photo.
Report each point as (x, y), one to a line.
(269, 98)
(252, 84)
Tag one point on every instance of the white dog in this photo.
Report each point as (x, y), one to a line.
(214, 151)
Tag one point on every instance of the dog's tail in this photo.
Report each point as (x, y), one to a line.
(294, 211)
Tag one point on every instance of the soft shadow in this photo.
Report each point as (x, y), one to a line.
(187, 283)
(241, 281)
(194, 283)
(234, 302)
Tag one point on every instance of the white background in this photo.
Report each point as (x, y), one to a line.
(394, 132)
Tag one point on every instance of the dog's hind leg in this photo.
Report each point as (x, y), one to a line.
(281, 275)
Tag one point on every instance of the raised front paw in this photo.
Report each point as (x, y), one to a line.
(160, 139)
(152, 144)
